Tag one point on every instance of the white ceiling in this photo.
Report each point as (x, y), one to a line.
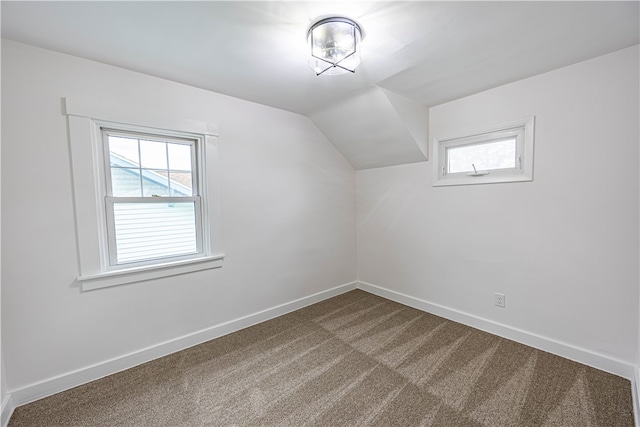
(429, 52)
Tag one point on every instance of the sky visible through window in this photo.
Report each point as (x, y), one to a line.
(484, 156)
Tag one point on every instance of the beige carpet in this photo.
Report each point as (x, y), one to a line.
(354, 360)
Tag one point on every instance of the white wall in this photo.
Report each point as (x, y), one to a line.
(563, 248)
(288, 214)
(3, 380)
(4, 392)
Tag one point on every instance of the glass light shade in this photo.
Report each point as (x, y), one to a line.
(335, 46)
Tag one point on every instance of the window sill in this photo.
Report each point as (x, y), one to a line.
(486, 179)
(139, 274)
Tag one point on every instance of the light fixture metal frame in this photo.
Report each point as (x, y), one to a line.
(336, 18)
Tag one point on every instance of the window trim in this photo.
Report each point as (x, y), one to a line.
(85, 120)
(523, 129)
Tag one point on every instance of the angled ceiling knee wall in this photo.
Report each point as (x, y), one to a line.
(376, 128)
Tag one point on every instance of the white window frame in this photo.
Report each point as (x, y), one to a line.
(197, 152)
(86, 120)
(521, 129)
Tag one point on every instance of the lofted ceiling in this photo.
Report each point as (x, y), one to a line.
(415, 54)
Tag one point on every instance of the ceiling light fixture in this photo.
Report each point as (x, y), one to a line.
(334, 43)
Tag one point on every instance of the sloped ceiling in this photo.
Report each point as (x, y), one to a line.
(374, 127)
(415, 54)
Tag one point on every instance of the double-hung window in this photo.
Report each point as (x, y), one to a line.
(501, 153)
(153, 203)
(146, 195)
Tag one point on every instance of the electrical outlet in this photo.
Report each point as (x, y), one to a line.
(499, 299)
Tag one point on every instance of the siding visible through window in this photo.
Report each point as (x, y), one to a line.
(154, 230)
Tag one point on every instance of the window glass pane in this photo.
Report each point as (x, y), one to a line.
(123, 151)
(145, 231)
(155, 183)
(153, 154)
(179, 157)
(181, 183)
(485, 156)
(125, 182)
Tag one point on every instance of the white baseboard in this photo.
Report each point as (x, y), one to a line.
(635, 392)
(7, 410)
(581, 355)
(90, 373)
(82, 376)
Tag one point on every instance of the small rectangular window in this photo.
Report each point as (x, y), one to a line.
(152, 197)
(491, 155)
(498, 154)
